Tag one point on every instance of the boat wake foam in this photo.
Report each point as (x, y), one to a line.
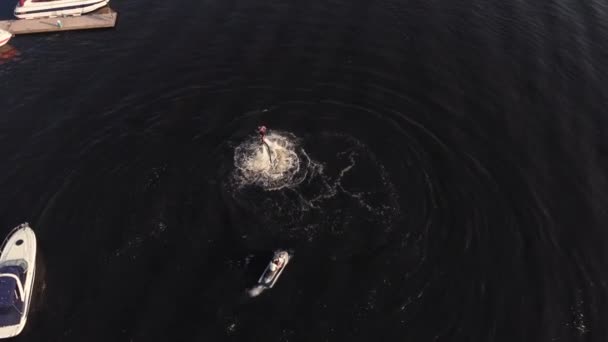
(256, 291)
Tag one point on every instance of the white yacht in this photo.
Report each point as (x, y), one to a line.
(17, 271)
(32, 9)
(5, 36)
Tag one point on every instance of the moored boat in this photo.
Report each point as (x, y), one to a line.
(5, 36)
(17, 272)
(32, 9)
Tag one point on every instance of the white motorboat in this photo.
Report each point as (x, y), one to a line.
(17, 272)
(274, 269)
(32, 9)
(5, 36)
(272, 272)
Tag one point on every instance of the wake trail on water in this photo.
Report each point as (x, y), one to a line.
(256, 291)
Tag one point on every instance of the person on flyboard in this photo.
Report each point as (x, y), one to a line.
(262, 130)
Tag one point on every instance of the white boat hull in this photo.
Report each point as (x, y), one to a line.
(270, 283)
(5, 36)
(20, 246)
(58, 8)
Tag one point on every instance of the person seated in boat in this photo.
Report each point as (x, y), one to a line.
(277, 263)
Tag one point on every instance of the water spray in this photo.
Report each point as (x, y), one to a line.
(288, 164)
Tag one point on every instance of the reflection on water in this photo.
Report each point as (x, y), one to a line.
(8, 53)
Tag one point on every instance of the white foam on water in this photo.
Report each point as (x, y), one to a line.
(256, 291)
(274, 164)
(579, 316)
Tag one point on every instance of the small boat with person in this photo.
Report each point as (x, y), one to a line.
(274, 269)
(17, 272)
(5, 36)
(34, 9)
(271, 274)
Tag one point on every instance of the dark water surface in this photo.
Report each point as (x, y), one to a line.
(462, 196)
